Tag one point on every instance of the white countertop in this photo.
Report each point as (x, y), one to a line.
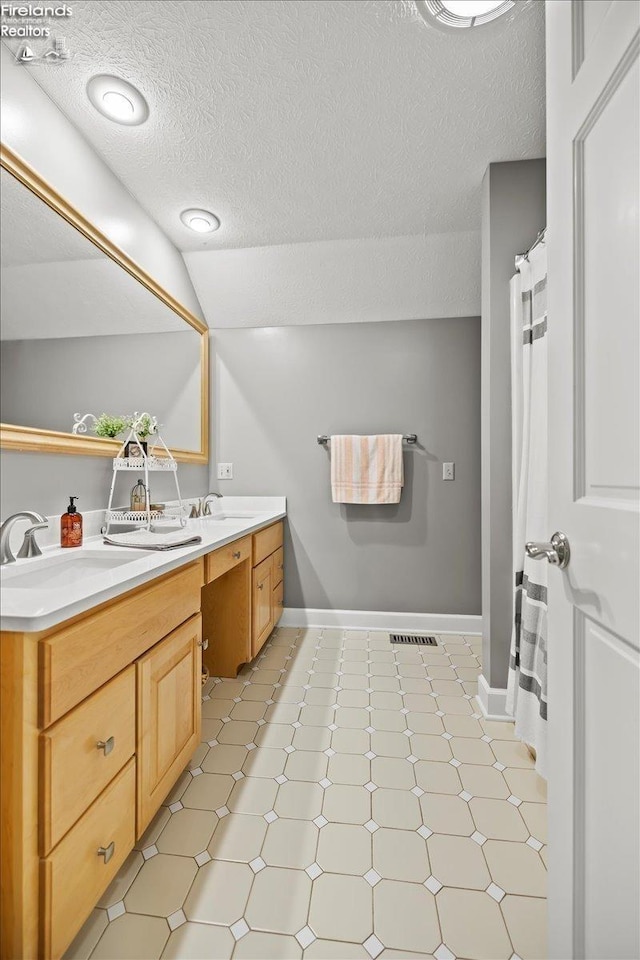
(39, 607)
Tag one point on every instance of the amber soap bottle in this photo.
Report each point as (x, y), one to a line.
(71, 526)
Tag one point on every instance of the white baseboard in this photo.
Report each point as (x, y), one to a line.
(380, 620)
(492, 701)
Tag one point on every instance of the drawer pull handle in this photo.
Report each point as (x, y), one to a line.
(106, 745)
(107, 852)
(237, 555)
(261, 586)
(281, 566)
(204, 644)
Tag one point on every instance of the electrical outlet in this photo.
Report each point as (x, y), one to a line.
(448, 471)
(225, 471)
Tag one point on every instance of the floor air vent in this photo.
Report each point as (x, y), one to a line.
(421, 641)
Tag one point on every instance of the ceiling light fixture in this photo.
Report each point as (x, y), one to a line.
(463, 13)
(117, 100)
(202, 221)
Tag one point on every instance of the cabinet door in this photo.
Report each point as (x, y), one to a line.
(168, 680)
(262, 616)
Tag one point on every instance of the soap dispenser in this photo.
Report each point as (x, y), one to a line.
(71, 526)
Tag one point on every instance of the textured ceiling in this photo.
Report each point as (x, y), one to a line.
(301, 120)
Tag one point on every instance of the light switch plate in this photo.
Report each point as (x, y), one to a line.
(448, 471)
(225, 471)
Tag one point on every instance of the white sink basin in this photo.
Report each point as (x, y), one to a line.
(51, 573)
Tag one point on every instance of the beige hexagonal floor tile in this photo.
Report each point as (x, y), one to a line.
(472, 750)
(498, 819)
(458, 862)
(395, 808)
(446, 814)
(299, 800)
(188, 832)
(238, 732)
(436, 777)
(483, 781)
(349, 769)
(341, 908)
(400, 855)
(526, 919)
(132, 937)
(267, 946)
(265, 762)
(306, 765)
(535, 817)
(208, 791)
(335, 950)
(290, 843)
(395, 773)
(238, 837)
(224, 758)
(219, 893)
(527, 785)
(253, 795)
(279, 901)
(161, 886)
(346, 804)
(472, 925)
(405, 917)
(193, 941)
(516, 868)
(344, 848)
(350, 741)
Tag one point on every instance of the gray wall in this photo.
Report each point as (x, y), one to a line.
(44, 382)
(275, 389)
(513, 212)
(48, 141)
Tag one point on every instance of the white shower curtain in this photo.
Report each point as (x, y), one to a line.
(527, 682)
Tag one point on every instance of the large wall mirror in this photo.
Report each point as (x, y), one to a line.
(86, 330)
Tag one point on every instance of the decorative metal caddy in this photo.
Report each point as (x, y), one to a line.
(158, 459)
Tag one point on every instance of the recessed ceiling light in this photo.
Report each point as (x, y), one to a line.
(117, 99)
(202, 221)
(463, 13)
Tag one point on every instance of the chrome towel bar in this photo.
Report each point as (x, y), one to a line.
(407, 437)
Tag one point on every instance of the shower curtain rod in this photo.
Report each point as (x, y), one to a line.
(538, 240)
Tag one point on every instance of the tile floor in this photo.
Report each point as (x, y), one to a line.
(347, 802)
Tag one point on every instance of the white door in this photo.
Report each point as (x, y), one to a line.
(593, 109)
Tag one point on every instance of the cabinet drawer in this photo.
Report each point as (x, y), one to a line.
(78, 659)
(278, 601)
(74, 767)
(75, 875)
(278, 566)
(266, 541)
(226, 558)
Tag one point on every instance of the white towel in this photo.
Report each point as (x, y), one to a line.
(366, 469)
(148, 540)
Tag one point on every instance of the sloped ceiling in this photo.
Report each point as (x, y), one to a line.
(305, 120)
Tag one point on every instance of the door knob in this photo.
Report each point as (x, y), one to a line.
(557, 552)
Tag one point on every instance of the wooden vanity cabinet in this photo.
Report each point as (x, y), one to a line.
(267, 584)
(98, 718)
(242, 599)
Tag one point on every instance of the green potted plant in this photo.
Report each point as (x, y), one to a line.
(110, 426)
(144, 426)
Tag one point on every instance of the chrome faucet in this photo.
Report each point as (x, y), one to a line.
(29, 546)
(202, 508)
